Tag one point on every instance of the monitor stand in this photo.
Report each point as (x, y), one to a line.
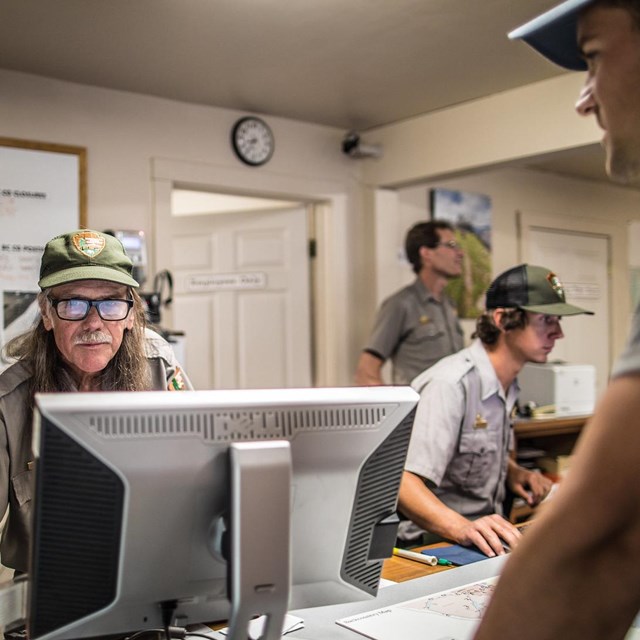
(260, 532)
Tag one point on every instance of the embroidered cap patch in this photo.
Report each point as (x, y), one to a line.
(88, 243)
(556, 285)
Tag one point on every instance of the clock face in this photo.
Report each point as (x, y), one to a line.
(252, 140)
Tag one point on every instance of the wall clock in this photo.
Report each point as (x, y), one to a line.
(252, 140)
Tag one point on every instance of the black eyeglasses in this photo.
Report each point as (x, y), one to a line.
(78, 309)
(452, 244)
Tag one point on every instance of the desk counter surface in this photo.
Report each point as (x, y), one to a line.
(402, 569)
(320, 622)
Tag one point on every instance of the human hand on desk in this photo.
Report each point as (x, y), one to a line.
(490, 534)
(532, 486)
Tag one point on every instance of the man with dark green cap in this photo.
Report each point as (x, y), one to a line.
(577, 572)
(461, 455)
(90, 336)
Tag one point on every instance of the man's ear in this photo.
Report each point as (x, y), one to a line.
(130, 319)
(425, 256)
(45, 311)
(497, 315)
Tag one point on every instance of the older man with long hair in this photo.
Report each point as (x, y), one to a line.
(90, 336)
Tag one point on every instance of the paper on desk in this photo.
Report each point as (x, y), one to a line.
(448, 615)
(453, 614)
(256, 627)
(385, 583)
(203, 630)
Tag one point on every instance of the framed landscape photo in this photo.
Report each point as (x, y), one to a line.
(43, 193)
(470, 215)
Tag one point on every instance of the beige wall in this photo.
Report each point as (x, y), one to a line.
(125, 132)
(127, 135)
(528, 121)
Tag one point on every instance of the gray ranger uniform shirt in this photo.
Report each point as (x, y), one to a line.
(415, 330)
(462, 435)
(16, 457)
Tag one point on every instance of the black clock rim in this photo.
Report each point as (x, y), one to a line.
(236, 126)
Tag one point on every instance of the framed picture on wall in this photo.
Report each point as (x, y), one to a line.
(43, 193)
(470, 214)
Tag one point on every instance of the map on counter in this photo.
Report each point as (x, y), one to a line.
(448, 615)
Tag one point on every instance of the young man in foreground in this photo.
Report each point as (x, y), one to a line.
(576, 573)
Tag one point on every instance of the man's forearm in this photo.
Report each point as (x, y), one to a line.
(369, 370)
(421, 506)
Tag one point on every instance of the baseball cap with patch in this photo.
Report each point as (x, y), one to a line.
(554, 34)
(533, 289)
(85, 255)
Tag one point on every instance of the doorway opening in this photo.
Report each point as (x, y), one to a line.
(243, 287)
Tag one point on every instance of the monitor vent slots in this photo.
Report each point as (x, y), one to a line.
(231, 426)
(378, 486)
(76, 537)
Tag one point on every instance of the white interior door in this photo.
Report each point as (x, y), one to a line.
(241, 295)
(581, 262)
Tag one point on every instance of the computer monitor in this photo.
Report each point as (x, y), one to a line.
(133, 492)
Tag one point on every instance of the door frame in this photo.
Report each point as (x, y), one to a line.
(326, 201)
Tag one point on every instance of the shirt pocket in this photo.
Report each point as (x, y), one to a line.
(425, 333)
(477, 456)
(430, 342)
(22, 484)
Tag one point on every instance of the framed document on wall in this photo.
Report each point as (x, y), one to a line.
(42, 193)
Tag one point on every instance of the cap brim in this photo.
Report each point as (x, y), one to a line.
(557, 309)
(89, 272)
(554, 34)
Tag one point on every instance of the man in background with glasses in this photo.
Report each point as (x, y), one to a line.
(90, 336)
(418, 325)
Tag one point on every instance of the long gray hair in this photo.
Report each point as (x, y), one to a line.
(128, 370)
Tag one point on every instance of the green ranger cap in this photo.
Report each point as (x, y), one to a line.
(531, 288)
(85, 255)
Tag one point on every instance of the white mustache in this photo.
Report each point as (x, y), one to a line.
(93, 337)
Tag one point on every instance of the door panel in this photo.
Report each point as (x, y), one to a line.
(263, 315)
(241, 295)
(581, 261)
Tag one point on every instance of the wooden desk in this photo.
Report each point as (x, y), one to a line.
(401, 569)
(554, 435)
(548, 426)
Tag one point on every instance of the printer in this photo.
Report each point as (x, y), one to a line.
(570, 388)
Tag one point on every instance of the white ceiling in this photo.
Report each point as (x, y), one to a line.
(352, 64)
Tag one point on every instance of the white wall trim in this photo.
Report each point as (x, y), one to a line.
(330, 295)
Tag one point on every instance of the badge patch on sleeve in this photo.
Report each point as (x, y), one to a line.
(176, 382)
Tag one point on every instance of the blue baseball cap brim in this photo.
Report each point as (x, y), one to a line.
(554, 34)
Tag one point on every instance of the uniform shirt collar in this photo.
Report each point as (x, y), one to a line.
(489, 382)
(424, 293)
